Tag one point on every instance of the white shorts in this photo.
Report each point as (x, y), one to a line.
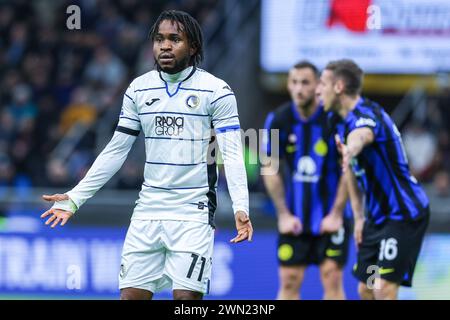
(167, 253)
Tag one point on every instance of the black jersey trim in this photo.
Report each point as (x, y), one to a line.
(212, 180)
(129, 131)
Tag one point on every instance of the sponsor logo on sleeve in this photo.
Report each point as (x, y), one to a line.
(365, 122)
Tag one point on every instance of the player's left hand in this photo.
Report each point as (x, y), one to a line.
(243, 227)
(331, 223)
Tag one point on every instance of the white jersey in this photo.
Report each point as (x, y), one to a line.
(176, 118)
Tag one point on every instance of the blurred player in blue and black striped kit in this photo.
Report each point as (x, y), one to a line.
(307, 199)
(390, 233)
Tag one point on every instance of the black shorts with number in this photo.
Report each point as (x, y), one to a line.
(390, 250)
(306, 249)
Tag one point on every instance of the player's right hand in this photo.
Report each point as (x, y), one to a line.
(343, 150)
(56, 215)
(289, 224)
(358, 231)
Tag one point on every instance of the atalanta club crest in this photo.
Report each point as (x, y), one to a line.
(193, 101)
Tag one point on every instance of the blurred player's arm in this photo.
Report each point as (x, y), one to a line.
(227, 128)
(275, 188)
(360, 138)
(356, 141)
(334, 219)
(272, 147)
(357, 203)
(287, 222)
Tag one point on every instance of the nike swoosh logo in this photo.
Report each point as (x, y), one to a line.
(386, 271)
(152, 102)
(333, 253)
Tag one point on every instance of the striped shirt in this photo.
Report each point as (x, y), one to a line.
(312, 172)
(181, 121)
(391, 191)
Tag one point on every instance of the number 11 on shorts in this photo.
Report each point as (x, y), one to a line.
(194, 262)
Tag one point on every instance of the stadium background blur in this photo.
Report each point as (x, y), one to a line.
(60, 96)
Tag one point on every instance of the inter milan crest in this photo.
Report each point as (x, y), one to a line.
(193, 101)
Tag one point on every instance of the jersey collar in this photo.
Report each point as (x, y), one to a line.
(177, 77)
(312, 117)
(358, 104)
(172, 80)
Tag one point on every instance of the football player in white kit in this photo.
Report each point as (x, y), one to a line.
(178, 107)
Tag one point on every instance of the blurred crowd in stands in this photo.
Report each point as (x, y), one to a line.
(427, 142)
(55, 82)
(52, 78)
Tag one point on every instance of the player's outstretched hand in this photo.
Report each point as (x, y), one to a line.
(331, 223)
(243, 227)
(56, 215)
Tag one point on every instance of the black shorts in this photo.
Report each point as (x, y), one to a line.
(306, 249)
(390, 250)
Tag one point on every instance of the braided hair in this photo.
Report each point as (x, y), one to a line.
(186, 23)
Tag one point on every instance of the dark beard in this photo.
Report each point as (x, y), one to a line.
(308, 104)
(179, 66)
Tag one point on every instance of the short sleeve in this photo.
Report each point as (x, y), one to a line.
(129, 121)
(358, 119)
(224, 113)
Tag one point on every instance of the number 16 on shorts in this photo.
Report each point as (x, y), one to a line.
(388, 249)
